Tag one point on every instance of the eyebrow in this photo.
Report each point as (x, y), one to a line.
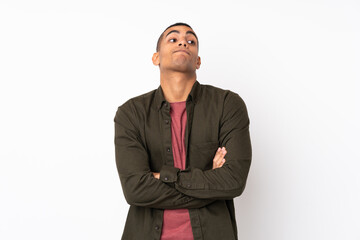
(176, 31)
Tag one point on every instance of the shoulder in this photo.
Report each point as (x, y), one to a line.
(139, 101)
(226, 96)
(232, 107)
(135, 105)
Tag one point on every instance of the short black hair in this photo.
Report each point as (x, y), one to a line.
(172, 25)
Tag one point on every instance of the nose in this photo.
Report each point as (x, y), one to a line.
(182, 42)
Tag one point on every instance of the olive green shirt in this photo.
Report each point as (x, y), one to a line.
(215, 118)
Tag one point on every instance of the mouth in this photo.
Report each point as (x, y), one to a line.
(182, 51)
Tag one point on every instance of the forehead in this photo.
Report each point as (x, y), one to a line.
(181, 29)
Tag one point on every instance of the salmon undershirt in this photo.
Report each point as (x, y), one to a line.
(176, 222)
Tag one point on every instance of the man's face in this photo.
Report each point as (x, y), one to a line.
(178, 50)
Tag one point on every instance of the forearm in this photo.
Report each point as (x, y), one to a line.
(146, 191)
(226, 182)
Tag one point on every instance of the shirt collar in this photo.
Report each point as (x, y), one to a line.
(193, 95)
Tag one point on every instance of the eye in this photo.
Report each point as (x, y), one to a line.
(191, 42)
(172, 40)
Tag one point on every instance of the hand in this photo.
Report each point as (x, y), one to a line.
(156, 175)
(219, 159)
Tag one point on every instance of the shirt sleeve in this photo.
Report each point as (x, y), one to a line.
(139, 186)
(229, 180)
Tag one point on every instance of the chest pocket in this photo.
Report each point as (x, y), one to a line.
(201, 155)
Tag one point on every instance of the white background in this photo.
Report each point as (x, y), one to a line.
(65, 67)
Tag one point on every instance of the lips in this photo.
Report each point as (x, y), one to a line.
(182, 51)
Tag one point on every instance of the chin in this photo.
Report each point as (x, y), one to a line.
(184, 67)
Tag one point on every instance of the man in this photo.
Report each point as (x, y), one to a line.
(170, 145)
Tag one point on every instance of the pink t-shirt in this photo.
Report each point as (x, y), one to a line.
(176, 222)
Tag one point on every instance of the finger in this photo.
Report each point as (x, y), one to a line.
(217, 156)
(224, 151)
(218, 151)
(221, 155)
(217, 159)
(222, 163)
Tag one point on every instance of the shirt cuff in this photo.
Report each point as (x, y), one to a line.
(169, 174)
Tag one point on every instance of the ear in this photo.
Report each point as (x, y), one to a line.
(198, 62)
(155, 59)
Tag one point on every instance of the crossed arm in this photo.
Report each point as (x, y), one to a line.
(218, 160)
(193, 187)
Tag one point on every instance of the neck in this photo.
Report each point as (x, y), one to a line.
(176, 86)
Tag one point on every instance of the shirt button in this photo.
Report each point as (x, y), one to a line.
(165, 178)
(188, 185)
(167, 121)
(157, 228)
(168, 149)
